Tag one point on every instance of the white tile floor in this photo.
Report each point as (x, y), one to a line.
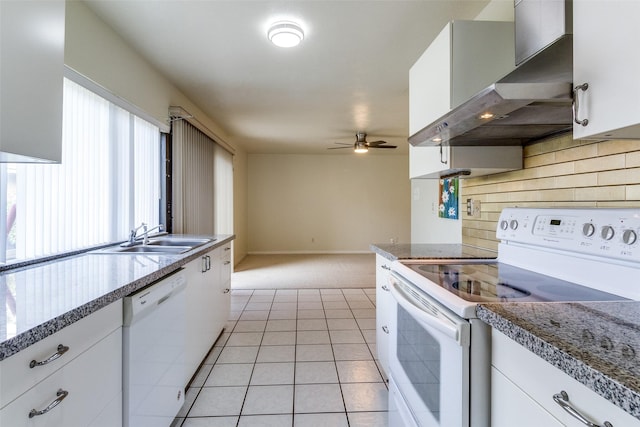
(294, 358)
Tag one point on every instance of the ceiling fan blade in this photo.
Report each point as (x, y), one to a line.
(376, 143)
(338, 148)
(384, 146)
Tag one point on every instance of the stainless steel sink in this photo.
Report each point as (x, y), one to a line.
(156, 249)
(178, 241)
(146, 249)
(159, 245)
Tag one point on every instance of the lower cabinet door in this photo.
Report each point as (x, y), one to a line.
(510, 406)
(76, 394)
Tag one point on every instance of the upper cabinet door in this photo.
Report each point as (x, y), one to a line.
(605, 57)
(31, 80)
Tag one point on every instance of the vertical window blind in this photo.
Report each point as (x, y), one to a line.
(202, 183)
(108, 181)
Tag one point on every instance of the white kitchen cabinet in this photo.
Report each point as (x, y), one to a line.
(208, 303)
(222, 302)
(434, 162)
(31, 79)
(605, 34)
(464, 58)
(523, 386)
(384, 304)
(93, 381)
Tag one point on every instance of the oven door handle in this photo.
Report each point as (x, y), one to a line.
(435, 319)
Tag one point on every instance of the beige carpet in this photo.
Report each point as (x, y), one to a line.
(305, 271)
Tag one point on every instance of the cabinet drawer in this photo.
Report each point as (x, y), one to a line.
(16, 375)
(541, 381)
(92, 381)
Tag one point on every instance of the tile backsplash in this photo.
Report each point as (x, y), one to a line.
(558, 172)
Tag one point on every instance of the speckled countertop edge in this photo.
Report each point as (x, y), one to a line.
(430, 251)
(19, 342)
(602, 384)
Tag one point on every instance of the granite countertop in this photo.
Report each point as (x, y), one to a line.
(424, 251)
(41, 299)
(596, 343)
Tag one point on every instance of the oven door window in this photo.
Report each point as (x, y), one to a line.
(431, 371)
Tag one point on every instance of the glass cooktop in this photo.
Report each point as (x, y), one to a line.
(495, 282)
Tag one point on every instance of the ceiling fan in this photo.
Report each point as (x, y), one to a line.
(362, 145)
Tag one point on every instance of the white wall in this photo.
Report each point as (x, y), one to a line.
(426, 226)
(93, 49)
(327, 203)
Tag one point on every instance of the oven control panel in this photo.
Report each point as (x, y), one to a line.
(600, 232)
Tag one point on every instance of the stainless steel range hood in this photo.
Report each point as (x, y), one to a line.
(530, 103)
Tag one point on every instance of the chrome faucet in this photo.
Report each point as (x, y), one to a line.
(146, 232)
(133, 234)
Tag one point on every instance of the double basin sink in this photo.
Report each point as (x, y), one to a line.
(159, 245)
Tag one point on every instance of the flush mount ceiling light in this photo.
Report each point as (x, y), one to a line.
(285, 34)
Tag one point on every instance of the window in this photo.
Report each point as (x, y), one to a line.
(108, 181)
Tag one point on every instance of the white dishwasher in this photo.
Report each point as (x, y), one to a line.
(153, 348)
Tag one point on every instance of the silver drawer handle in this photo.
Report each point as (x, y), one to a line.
(576, 104)
(385, 329)
(227, 249)
(61, 395)
(227, 262)
(62, 349)
(386, 267)
(562, 399)
(385, 288)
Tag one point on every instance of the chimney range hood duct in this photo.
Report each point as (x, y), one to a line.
(530, 103)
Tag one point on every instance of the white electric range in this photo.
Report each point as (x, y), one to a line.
(440, 352)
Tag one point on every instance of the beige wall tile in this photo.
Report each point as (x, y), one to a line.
(577, 153)
(632, 192)
(616, 146)
(601, 193)
(620, 176)
(539, 160)
(581, 180)
(632, 159)
(616, 161)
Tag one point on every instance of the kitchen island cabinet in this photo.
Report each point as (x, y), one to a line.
(605, 34)
(384, 305)
(523, 387)
(587, 350)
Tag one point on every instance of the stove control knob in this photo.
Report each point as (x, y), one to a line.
(629, 237)
(607, 232)
(513, 224)
(504, 224)
(588, 229)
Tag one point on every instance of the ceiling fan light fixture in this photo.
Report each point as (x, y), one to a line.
(285, 34)
(359, 147)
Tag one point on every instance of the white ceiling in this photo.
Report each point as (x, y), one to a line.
(351, 72)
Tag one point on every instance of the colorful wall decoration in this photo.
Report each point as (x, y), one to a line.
(448, 198)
